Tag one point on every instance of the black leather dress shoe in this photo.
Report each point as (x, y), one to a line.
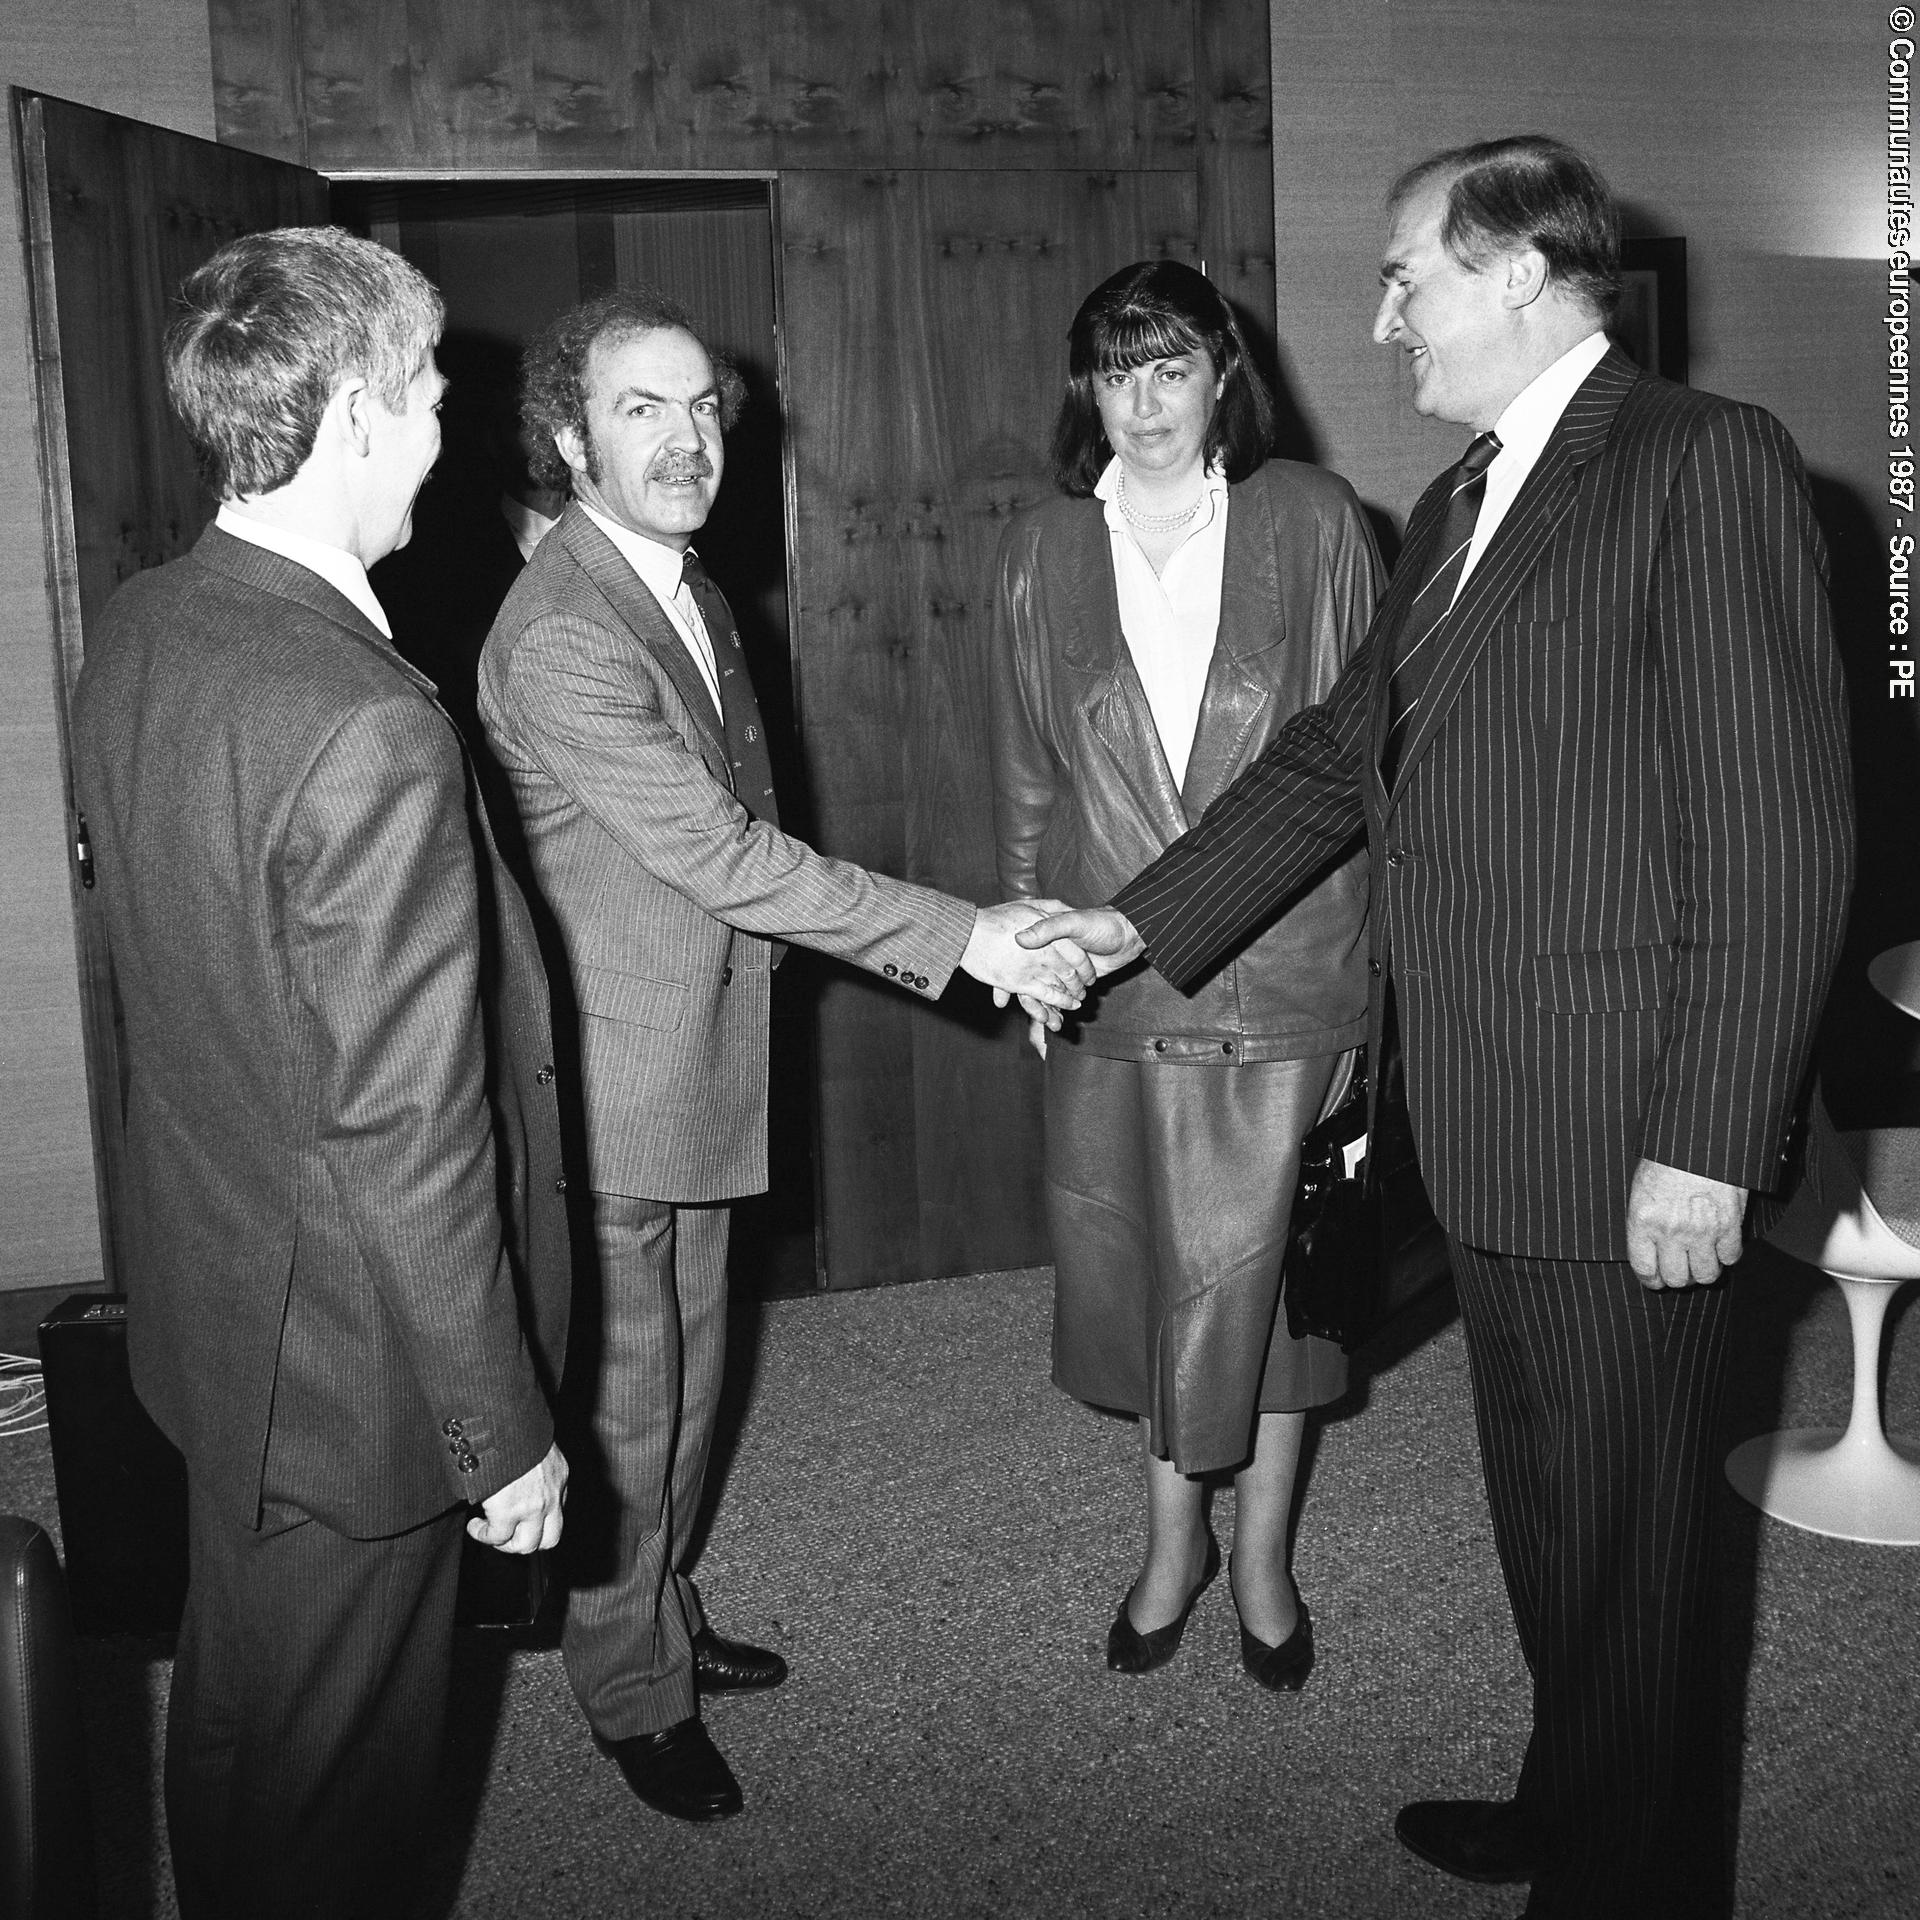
(679, 1772)
(731, 1666)
(1131, 1651)
(1488, 1841)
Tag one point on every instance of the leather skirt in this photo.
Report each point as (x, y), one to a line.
(1168, 1193)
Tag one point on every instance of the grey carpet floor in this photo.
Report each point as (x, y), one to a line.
(936, 1540)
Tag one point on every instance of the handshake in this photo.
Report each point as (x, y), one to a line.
(1047, 954)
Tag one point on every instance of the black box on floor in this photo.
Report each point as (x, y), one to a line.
(122, 1489)
(121, 1483)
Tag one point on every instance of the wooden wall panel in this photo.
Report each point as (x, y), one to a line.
(132, 210)
(256, 77)
(117, 213)
(926, 318)
(752, 85)
(1235, 125)
(149, 59)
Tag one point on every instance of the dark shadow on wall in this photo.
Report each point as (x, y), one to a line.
(1868, 1051)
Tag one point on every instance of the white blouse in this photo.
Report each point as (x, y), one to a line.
(1170, 619)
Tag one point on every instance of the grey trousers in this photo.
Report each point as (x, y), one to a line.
(642, 1387)
(303, 1728)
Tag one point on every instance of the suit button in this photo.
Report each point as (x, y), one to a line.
(1159, 1046)
(1373, 967)
(1396, 858)
(726, 976)
(1226, 1046)
(560, 1185)
(891, 971)
(920, 981)
(545, 1076)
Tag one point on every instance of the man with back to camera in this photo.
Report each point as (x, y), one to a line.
(616, 700)
(1598, 742)
(337, 1061)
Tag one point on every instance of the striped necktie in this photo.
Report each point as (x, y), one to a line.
(1428, 608)
(746, 732)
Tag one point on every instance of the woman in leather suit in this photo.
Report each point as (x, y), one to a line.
(1154, 627)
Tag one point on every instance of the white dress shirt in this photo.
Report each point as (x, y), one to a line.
(1170, 619)
(1524, 430)
(335, 565)
(659, 570)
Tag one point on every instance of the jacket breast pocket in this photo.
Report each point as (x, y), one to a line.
(631, 999)
(1605, 980)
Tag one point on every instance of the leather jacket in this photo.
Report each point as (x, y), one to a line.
(1084, 797)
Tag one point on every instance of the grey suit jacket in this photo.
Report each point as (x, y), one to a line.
(1611, 879)
(664, 895)
(302, 908)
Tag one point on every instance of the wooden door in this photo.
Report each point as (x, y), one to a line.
(117, 214)
(925, 320)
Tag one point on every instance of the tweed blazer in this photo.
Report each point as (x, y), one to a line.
(1084, 796)
(1611, 878)
(662, 894)
(303, 907)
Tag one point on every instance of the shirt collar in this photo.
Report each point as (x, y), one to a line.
(335, 565)
(528, 527)
(1107, 488)
(1534, 412)
(657, 565)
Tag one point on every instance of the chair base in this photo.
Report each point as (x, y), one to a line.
(1828, 1481)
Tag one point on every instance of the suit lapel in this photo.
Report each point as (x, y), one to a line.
(1513, 554)
(1251, 623)
(1088, 606)
(633, 602)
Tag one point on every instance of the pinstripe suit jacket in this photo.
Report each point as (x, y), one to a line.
(303, 908)
(663, 894)
(1610, 881)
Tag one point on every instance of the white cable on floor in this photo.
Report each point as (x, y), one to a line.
(23, 1395)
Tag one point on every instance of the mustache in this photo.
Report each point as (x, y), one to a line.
(681, 466)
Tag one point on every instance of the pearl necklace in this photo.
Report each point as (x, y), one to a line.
(1156, 522)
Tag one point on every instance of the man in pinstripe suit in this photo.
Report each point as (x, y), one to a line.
(616, 699)
(1605, 785)
(337, 1070)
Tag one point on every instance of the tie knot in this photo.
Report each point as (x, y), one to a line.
(692, 573)
(1479, 456)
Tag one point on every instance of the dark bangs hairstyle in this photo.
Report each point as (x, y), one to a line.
(1527, 191)
(1157, 310)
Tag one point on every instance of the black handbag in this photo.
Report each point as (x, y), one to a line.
(1363, 1242)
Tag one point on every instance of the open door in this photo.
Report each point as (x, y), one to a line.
(116, 214)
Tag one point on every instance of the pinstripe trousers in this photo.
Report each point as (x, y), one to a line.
(643, 1381)
(1598, 1405)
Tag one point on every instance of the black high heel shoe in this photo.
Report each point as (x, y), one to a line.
(1281, 1669)
(1131, 1651)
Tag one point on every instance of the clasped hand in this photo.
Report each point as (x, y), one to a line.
(1049, 980)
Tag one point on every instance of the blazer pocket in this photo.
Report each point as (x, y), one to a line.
(631, 1000)
(1610, 980)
